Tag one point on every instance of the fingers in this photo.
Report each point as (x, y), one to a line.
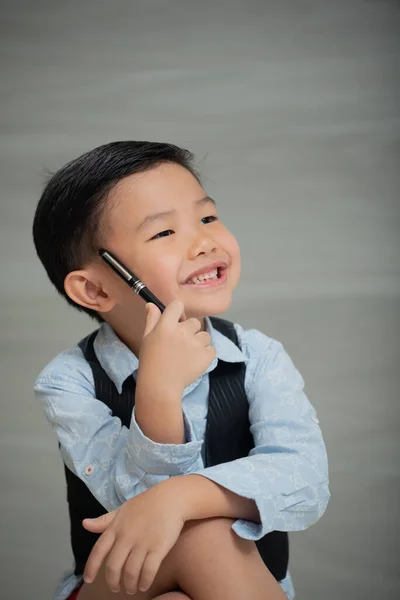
(137, 569)
(150, 569)
(191, 326)
(204, 338)
(101, 523)
(115, 564)
(174, 311)
(153, 315)
(99, 551)
(132, 570)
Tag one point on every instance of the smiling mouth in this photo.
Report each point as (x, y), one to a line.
(214, 278)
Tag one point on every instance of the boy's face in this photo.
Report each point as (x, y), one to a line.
(164, 251)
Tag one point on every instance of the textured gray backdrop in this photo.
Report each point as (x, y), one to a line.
(293, 111)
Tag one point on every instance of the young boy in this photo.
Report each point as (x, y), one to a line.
(189, 445)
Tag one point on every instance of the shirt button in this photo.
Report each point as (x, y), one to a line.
(89, 469)
(315, 419)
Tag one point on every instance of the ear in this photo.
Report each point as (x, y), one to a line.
(86, 288)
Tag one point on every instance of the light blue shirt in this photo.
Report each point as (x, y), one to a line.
(286, 473)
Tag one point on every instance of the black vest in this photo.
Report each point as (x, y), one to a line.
(227, 438)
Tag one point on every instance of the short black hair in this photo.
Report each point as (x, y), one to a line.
(66, 226)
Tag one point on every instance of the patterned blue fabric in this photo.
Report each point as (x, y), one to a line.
(286, 474)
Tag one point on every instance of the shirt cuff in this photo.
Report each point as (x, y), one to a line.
(248, 530)
(164, 459)
(225, 476)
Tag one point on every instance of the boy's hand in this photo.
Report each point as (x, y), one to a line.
(173, 354)
(137, 537)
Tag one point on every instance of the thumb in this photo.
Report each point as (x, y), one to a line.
(153, 315)
(101, 523)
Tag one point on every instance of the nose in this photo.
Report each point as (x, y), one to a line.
(201, 245)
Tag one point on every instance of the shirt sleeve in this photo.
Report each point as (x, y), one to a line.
(116, 463)
(286, 473)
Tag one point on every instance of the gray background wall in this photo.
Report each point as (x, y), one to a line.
(293, 111)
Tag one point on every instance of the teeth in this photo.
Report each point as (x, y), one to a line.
(204, 277)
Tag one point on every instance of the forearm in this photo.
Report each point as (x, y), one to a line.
(202, 499)
(159, 414)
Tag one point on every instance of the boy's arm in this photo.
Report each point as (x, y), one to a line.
(204, 498)
(159, 415)
(116, 463)
(286, 474)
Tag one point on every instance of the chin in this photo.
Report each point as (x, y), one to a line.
(208, 307)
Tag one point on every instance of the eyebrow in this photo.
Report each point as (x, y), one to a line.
(161, 215)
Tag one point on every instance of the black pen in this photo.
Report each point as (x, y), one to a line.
(134, 282)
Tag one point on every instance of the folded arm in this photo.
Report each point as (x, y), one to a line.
(286, 474)
(116, 463)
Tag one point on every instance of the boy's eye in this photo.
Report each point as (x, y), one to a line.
(213, 217)
(161, 234)
(167, 232)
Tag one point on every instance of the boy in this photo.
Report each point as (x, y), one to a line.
(185, 438)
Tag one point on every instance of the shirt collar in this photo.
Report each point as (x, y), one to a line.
(119, 362)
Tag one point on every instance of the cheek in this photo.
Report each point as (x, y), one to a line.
(159, 273)
(236, 263)
(230, 245)
(235, 253)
